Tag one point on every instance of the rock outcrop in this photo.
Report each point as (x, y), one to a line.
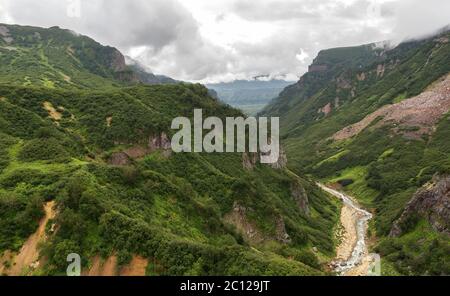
(431, 202)
(282, 160)
(300, 196)
(380, 71)
(343, 83)
(119, 159)
(4, 33)
(250, 160)
(238, 218)
(317, 68)
(159, 142)
(117, 59)
(127, 76)
(281, 235)
(325, 109)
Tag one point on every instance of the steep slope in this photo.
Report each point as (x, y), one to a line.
(146, 76)
(57, 57)
(102, 155)
(378, 126)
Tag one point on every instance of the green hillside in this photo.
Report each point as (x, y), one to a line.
(59, 58)
(75, 130)
(382, 154)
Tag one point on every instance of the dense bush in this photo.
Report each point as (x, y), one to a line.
(168, 209)
(28, 176)
(19, 218)
(430, 257)
(43, 149)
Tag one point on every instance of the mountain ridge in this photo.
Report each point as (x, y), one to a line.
(96, 148)
(58, 57)
(375, 126)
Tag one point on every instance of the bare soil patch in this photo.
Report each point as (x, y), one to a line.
(137, 267)
(109, 267)
(52, 112)
(412, 118)
(28, 257)
(106, 268)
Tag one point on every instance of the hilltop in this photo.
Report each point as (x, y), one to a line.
(60, 58)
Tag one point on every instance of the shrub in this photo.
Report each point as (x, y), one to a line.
(43, 149)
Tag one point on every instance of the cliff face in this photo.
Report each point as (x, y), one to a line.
(117, 61)
(157, 142)
(300, 196)
(318, 68)
(250, 160)
(238, 217)
(432, 202)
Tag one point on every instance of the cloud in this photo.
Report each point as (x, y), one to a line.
(302, 56)
(164, 29)
(273, 10)
(122, 23)
(416, 18)
(203, 40)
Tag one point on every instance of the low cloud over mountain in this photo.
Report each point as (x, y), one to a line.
(226, 40)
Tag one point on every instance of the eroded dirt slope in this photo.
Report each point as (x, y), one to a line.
(27, 260)
(412, 117)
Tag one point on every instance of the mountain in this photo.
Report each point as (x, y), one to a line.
(86, 168)
(374, 121)
(146, 76)
(61, 58)
(251, 96)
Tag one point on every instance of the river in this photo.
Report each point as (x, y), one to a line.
(353, 255)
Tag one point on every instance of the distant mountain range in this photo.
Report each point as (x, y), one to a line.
(251, 96)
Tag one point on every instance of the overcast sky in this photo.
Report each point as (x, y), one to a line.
(222, 40)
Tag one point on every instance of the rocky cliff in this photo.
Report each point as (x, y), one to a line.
(300, 196)
(250, 160)
(431, 202)
(159, 142)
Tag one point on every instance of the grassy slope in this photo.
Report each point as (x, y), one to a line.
(169, 210)
(55, 58)
(386, 170)
(179, 201)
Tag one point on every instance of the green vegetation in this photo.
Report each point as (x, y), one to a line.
(20, 215)
(55, 58)
(420, 251)
(381, 167)
(64, 112)
(169, 209)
